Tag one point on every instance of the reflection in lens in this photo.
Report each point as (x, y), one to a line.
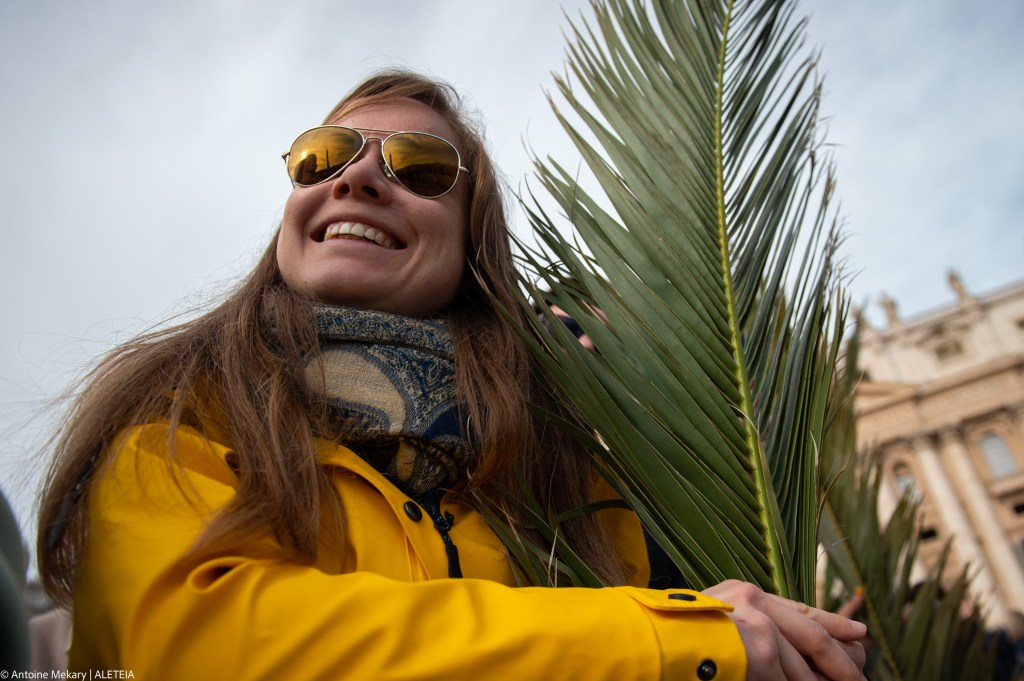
(424, 164)
(305, 170)
(321, 152)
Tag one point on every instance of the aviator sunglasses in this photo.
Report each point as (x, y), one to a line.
(425, 164)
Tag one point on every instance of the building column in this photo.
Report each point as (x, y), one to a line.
(965, 545)
(887, 499)
(1001, 559)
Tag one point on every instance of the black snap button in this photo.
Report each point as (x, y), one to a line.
(413, 511)
(707, 670)
(683, 597)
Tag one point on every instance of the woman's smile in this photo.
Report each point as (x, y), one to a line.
(355, 231)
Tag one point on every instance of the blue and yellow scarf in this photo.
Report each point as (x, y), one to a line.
(390, 385)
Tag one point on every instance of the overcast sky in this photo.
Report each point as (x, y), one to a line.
(142, 142)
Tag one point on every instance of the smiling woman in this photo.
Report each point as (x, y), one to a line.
(412, 262)
(290, 484)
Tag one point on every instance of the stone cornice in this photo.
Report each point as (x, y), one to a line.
(958, 381)
(951, 435)
(921, 441)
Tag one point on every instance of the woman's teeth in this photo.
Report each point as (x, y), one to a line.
(354, 230)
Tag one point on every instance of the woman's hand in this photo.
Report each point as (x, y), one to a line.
(789, 640)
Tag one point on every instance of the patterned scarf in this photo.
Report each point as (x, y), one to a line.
(390, 384)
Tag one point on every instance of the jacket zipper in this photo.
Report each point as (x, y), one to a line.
(443, 523)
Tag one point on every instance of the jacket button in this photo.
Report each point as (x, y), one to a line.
(413, 511)
(707, 670)
(682, 597)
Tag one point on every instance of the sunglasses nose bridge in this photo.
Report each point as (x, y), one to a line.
(381, 158)
(368, 150)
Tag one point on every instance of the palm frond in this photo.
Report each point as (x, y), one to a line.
(703, 272)
(925, 636)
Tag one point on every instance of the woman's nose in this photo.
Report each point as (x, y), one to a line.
(365, 176)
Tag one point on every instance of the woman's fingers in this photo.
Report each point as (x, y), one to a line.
(819, 636)
(770, 656)
(794, 666)
(763, 644)
(793, 639)
(837, 625)
(856, 652)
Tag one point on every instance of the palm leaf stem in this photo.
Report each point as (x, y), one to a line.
(780, 574)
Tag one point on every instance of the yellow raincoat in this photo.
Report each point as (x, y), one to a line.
(380, 607)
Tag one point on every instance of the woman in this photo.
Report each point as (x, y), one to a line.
(283, 486)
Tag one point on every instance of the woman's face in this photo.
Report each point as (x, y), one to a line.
(417, 270)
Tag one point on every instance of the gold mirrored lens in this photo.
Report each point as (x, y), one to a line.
(319, 153)
(424, 164)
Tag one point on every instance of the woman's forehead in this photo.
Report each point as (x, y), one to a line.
(394, 114)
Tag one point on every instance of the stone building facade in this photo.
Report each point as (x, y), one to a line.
(942, 400)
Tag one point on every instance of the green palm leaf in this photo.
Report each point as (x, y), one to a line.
(926, 638)
(703, 273)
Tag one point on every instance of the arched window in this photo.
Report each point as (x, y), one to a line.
(997, 455)
(904, 479)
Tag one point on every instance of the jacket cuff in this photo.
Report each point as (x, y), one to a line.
(698, 640)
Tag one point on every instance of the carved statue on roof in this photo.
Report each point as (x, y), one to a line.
(957, 284)
(892, 315)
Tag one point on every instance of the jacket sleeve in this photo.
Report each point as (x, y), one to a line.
(142, 607)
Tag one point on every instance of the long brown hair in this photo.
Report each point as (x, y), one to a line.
(227, 358)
